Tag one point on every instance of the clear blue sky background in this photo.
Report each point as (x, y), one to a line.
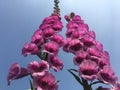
(20, 18)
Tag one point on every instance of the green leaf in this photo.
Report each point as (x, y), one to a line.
(96, 82)
(73, 70)
(75, 76)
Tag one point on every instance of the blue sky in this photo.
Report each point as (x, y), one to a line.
(20, 18)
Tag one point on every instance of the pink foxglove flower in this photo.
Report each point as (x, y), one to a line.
(38, 69)
(57, 26)
(38, 32)
(66, 44)
(92, 34)
(51, 48)
(75, 46)
(30, 48)
(52, 21)
(47, 82)
(73, 25)
(93, 51)
(107, 75)
(37, 38)
(58, 39)
(78, 34)
(56, 63)
(76, 18)
(88, 70)
(16, 72)
(99, 46)
(104, 60)
(88, 41)
(48, 32)
(69, 32)
(80, 56)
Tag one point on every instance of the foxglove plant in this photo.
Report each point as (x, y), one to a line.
(93, 63)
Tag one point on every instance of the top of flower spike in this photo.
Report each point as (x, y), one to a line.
(56, 7)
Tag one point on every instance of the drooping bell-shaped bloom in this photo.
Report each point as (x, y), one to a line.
(38, 68)
(30, 48)
(57, 26)
(48, 32)
(99, 46)
(75, 45)
(107, 75)
(66, 44)
(92, 34)
(88, 70)
(78, 34)
(16, 72)
(51, 48)
(88, 40)
(38, 32)
(72, 25)
(93, 51)
(47, 82)
(103, 62)
(56, 63)
(52, 21)
(83, 27)
(80, 56)
(37, 38)
(58, 39)
(76, 18)
(69, 32)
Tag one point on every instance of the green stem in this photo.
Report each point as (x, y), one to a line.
(86, 86)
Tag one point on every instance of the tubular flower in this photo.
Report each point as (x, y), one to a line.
(66, 44)
(58, 39)
(48, 32)
(104, 60)
(88, 70)
(107, 75)
(69, 32)
(75, 45)
(56, 63)
(93, 51)
(80, 56)
(47, 82)
(52, 21)
(88, 40)
(38, 69)
(37, 38)
(16, 72)
(30, 48)
(51, 48)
